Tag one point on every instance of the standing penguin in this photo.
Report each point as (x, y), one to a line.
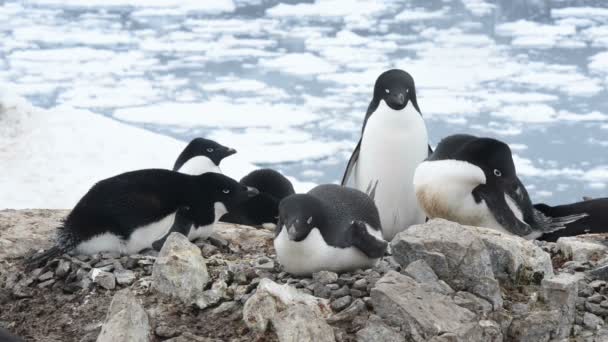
(200, 156)
(472, 181)
(393, 142)
(331, 228)
(595, 222)
(128, 212)
(263, 209)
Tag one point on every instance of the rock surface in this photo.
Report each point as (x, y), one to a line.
(581, 248)
(180, 269)
(127, 321)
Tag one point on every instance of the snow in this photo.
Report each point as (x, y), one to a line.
(52, 157)
(217, 112)
(215, 6)
(329, 8)
(580, 12)
(410, 15)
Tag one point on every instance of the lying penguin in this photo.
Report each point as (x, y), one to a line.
(595, 222)
(263, 209)
(200, 156)
(330, 228)
(472, 181)
(393, 142)
(128, 212)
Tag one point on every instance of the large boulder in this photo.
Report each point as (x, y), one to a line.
(126, 321)
(180, 269)
(295, 316)
(582, 248)
(560, 293)
(423, 314)
(473, 259)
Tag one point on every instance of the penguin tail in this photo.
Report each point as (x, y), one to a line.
(549, 224)
(65, 243)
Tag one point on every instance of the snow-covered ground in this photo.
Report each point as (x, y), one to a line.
(124, 84)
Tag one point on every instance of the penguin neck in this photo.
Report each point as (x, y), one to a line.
(199, 165)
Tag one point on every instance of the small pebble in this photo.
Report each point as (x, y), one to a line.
(341, 303)
(596, 298)
(357, 293)
(597, 284)
(63, 268)
(166, 331)
(46, 283)
(325, 277)
(319, 290)
(124, 277)
(332, 287)
(341, 292)
(360, 284)
(46, 276)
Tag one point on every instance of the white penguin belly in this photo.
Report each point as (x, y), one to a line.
(444, 190)
(203, 232)
(141, 238)
(199, 165)
(393, 144)
(313, 254)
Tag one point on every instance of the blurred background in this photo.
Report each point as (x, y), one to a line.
(93, 88)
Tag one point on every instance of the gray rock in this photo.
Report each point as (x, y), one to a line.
(332, 287)
(126, 320)
(419, 312)
(46, 283)
(536, 327)
(360, 284)
(377, 331)
(63, 268)
(560, 293)
(341, 292)
(357, 293)
(226, 308)
(456, 254)
(103, 278)
(124, 277)
(341, 303)
(596, 298)
(584, 290)
(591, 321)
(189, 337)
(46, 276)
(321, 291)
(596, 309)
(180, 269)
(348, 314)
(473, 303)
(424, 274)
(600, 272)
(325, 277)
(580, 249)
(271, 299)
(597, 284)
(208, 299)
(264, 264)
(298, 323)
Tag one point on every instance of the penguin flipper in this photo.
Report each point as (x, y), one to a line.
(349, 174)
(181, 225)
(365, 242)
(430, 150)
(502, 212)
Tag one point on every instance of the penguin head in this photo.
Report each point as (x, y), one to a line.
(299, 214)
(396, 87)
(215, 187)
(200, 147)
(494, 158)
(270, 182)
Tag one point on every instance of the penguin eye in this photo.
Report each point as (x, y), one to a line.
(387, 91)
(209, 149)
(226, 191)
(407, 90)
(497, 173)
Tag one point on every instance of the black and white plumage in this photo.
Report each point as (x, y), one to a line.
(200, 156)
(473, 181)
(128, 212)
(330, 228)
(393, 142)
(595, 222)
(262, 209)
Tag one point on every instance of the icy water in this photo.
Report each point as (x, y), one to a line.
(287, 84)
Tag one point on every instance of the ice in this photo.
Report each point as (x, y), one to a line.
(409, 15)
(329, 8)
(301, 64)
(580, 12)
(215, 6)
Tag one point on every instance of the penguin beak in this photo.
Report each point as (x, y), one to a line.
(291, 232)
(251, 191)
(230, 151)
(396, 100)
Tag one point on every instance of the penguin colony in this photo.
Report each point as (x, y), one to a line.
(393, 180)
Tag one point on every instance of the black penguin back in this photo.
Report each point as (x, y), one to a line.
(344, 205)
(595, 222)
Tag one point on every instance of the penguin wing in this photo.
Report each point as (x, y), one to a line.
(501, 211)
(349, 175)
(430, 150)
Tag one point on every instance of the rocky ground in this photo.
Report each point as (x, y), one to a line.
(442, 282)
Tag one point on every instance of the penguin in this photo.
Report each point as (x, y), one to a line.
(6, 336)
(473, 181)
(200, 156)
(128, 212)
(331, 228)
(263, 209)
(394, 140)
(595, 222)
